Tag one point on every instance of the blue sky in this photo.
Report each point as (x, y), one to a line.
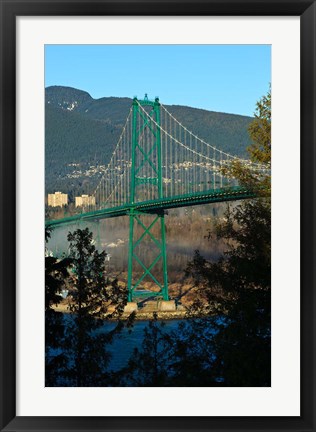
(223, 78)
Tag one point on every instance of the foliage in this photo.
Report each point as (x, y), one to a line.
(238, 286)
(85, 342)
(191, 354)
(259, 151)
(76, 353)
(56, 272)
(88, 269)
(260, 131)
(148, 365)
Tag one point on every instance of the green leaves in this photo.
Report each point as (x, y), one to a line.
(260, 131)
(76, 353)
(239, 283)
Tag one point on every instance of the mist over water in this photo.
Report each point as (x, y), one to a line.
(187, 230)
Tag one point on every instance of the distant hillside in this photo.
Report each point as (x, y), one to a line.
(81, 133)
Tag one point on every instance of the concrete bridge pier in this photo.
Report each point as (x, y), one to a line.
(167, 306)
(130, 307)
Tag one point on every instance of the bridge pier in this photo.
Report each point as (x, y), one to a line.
(167, 306)
(130, 307)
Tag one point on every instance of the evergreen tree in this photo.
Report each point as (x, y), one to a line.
(85, 341)
(56, 274)
(191, 353)
(237, 287)
(148, 365)
(260, 131)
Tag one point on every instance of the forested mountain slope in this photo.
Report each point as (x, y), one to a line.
(81, 133)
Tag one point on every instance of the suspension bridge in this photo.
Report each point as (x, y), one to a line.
(158, 164)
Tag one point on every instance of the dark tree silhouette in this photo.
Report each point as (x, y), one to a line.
(237, 288)
(85, 341)
(56, 274)
(148, 366)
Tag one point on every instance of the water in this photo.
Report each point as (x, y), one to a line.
(124, 344)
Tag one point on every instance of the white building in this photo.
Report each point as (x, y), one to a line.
(58, 199)
(84, 200)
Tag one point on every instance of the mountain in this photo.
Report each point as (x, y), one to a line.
(81, 133)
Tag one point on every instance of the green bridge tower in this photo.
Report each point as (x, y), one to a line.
(146, 178)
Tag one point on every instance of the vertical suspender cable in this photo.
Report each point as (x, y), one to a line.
(221, 174)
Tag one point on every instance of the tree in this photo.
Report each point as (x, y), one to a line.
(237, 287)
(148, 365)
(56, 273)
(85, 341)
(260, 131)
(191, 353)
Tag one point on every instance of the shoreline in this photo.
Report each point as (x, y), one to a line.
(139, 315)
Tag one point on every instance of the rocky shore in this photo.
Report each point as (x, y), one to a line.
(146, 316)
(143, 314)
(140, 315)
(150, 308)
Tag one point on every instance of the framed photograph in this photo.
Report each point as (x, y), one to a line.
(167, 152)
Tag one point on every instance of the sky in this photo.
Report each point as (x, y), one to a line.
(223, 78)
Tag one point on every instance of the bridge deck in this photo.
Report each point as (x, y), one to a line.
(159, 205)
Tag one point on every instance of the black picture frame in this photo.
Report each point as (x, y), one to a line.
(9, 10)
